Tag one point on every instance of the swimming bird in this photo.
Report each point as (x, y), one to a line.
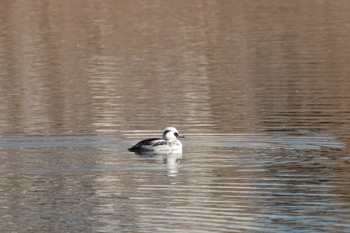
(169, 143)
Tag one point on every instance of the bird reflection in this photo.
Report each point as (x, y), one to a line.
(171, 160)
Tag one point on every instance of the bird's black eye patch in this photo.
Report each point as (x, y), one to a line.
(176, 135)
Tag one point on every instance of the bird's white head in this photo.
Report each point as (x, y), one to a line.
(170, 134)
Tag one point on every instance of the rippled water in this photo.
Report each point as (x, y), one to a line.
(260, 89)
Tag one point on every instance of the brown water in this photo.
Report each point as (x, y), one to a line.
(261, 89)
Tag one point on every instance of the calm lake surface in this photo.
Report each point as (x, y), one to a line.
(260, 89)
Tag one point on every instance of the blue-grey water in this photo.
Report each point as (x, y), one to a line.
(260, 89)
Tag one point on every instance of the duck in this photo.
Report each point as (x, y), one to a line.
(169, 143)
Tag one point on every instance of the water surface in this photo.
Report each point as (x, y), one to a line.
(260, 89)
